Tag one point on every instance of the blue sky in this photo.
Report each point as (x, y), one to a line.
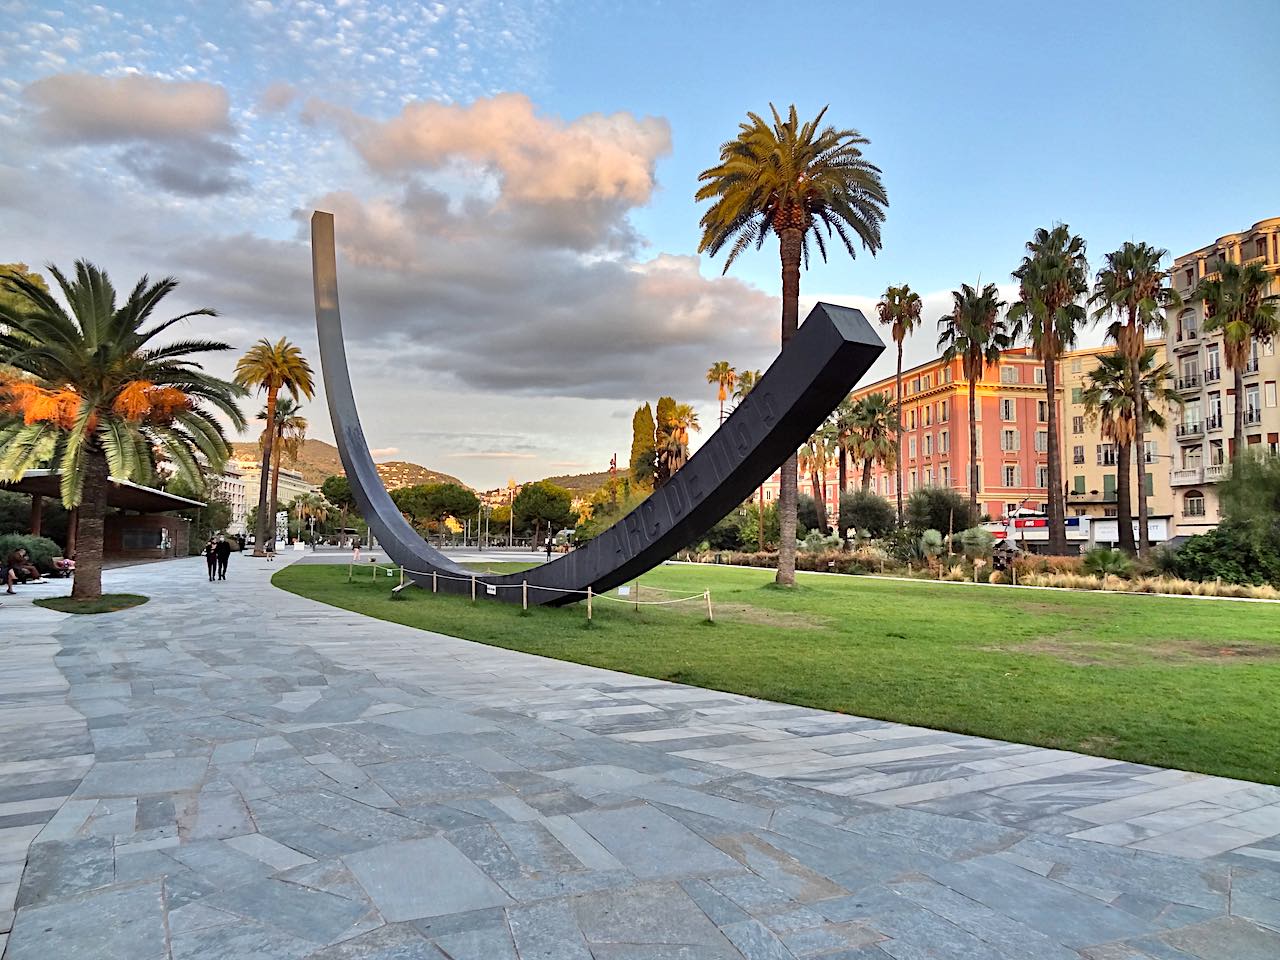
(514, 180)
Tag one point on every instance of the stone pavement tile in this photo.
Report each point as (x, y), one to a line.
(830, 938)
(1223, 938)
(942, 836)
(660, 913)
(431, 778)
(131, 778)
(428, 720)
(1198, 842)
(581, 844)
(547, 931)
(422, 878)
(275, 855)
(595, 779)
(306, 913)
(196, 916)
(340, 813)
(1068, 917)
(651, 844)
(215, 863)
(755, 941)
(245, 940)
(399, 941)
(122, 921)
(719, 908)
(700, 802)
(61, 868)
(781, 870)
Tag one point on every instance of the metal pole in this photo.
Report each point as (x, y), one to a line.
(433, 581)
(473, 589)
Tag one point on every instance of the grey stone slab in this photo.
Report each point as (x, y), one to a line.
(423, 878)
(397, 941)
(308, 914)
(431, 778)
(547, 931)
(125, 921)
(427, 720)
(245, 940)
(61, 868)
(755, 941)
(274, 854)
(1226, 937)
(131, 778)
(651, 844)
(650, 913)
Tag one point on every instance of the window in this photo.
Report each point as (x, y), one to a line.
(915, 385)
(1077, 483)
(1106, 455)
(1042, 441)
(1008, 410)
(928, 444)
(1011, 476)
(928, 476)
(1193, 504)
(911, 446)
(1108, 486)
(911, 417)
(768, 494)
(1270, 393)
(1077, 424)
(1042, 476)
(1150, 451)
(1075, 364)
(1077, 453)
(927, 381)
(1042, 411)
(944, 441)
(1212, 367)
(946, 476)
(928, 415)
(1010, 509)
(1252, 404)
(946, 375)
(1109, 511)
(1008, 440)
(944, 411)
(1039, 376)
(911, 483)
(1009, 374)
(1260, 247)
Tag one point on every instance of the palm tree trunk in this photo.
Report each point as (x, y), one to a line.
(973, 447)
(789, 245)
(275, 487)
(819, 501)
(842, 469)
(899, 432)
(1124, 496)
(866, 474)
(1057, 512)
(1238, 418)
(264, 480)
(90, 519)
(1140, 458)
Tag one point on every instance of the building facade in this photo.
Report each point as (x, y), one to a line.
(291, 484)
(1203, 436)
(232, 489)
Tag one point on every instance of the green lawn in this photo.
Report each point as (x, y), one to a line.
(1173, 682)
(107, 603)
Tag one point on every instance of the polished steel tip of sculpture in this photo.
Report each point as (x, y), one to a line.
(828, 355)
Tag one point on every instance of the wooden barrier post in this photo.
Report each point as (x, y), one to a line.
(589, 604)
(433, 581)
(637, 589)
(473, 589)
(524, 594)
(350, 571)
(710, 616)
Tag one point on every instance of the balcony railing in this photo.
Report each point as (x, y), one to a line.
(1212, 374)
(1193, 510)
(1216, 471)
(1251, 366)
(1107, 459)
(1187, 431)
(1186, 476)
(1188, 384)
(1188, 333)
(1213, 421)
(1252, 416)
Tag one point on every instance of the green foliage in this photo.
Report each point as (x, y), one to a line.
(429, 503)
(15, 516)
(977, 543)
(750, 525)
(1103, 561)
(931, 544)
(1251, 497)
(664, 417)
(818, 542)
(13, 300)
(337, 490)
(807, 511)
(544, 504)
(643, 451)
(1231, 554)
(41, 550)
(939, 508)
(870, 514)
(727, 534)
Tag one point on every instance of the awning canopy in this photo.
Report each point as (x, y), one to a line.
(123, 494)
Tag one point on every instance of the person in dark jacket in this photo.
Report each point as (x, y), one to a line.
(223, 553)
(211, 558)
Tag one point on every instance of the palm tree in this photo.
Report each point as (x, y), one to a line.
(272, 367)
(875, 427)
(94, 392)
(1052, 279)
(747, 381)
(311, 506)
(899, 309)
(974, 332)
(1235, 303)
(813, 459)
(787, 178)
(842, 432)
(1111, 398)
(286, 444)
(1132, 287)
(724, 377)
(675, 450)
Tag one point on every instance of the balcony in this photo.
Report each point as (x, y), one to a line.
(1188, 340)
(1193, 509)
(1188, 384)
(1091, 496)
(1213, 422)
(1190, 431)
(1251, 366)
(1252, 416)
(1215, 472)
(1212, 375)
(1187, 476)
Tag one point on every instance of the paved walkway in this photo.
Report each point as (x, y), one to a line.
(232, 772)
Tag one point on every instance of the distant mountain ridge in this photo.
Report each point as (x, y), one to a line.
(319, 460)
(581, 484)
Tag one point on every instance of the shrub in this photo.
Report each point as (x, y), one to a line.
(1230, 553)
(931, 544)
(816, 542)
(1104, 562)
(940, 508)
(868, 513)
(977, 543)
(41, 550)
(807, 511)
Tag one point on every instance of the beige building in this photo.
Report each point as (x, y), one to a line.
(291, 485)
(1202, 436)
(232, 489)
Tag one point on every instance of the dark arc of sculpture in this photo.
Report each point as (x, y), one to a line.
(817, 369)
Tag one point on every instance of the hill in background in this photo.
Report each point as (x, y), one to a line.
(319, 460)
(581, 484)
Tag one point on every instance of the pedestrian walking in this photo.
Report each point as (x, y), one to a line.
(355, 551)
(550, 541)
(211, 558)
(223, 553)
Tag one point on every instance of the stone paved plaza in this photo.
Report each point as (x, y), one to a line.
(231, 772)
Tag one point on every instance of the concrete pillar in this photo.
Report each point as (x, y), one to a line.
(37, 513)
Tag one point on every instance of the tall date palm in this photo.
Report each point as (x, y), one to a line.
(288, 434)
(975, 332)
(899, 309)
(88, 387)
(724, 377)
(1052, 279)
(875, 428)
(272, 367)
(799, 182)
(1133, 288)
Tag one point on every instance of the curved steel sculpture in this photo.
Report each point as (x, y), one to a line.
(831, 351)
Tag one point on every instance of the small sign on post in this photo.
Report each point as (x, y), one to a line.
(490, 589)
